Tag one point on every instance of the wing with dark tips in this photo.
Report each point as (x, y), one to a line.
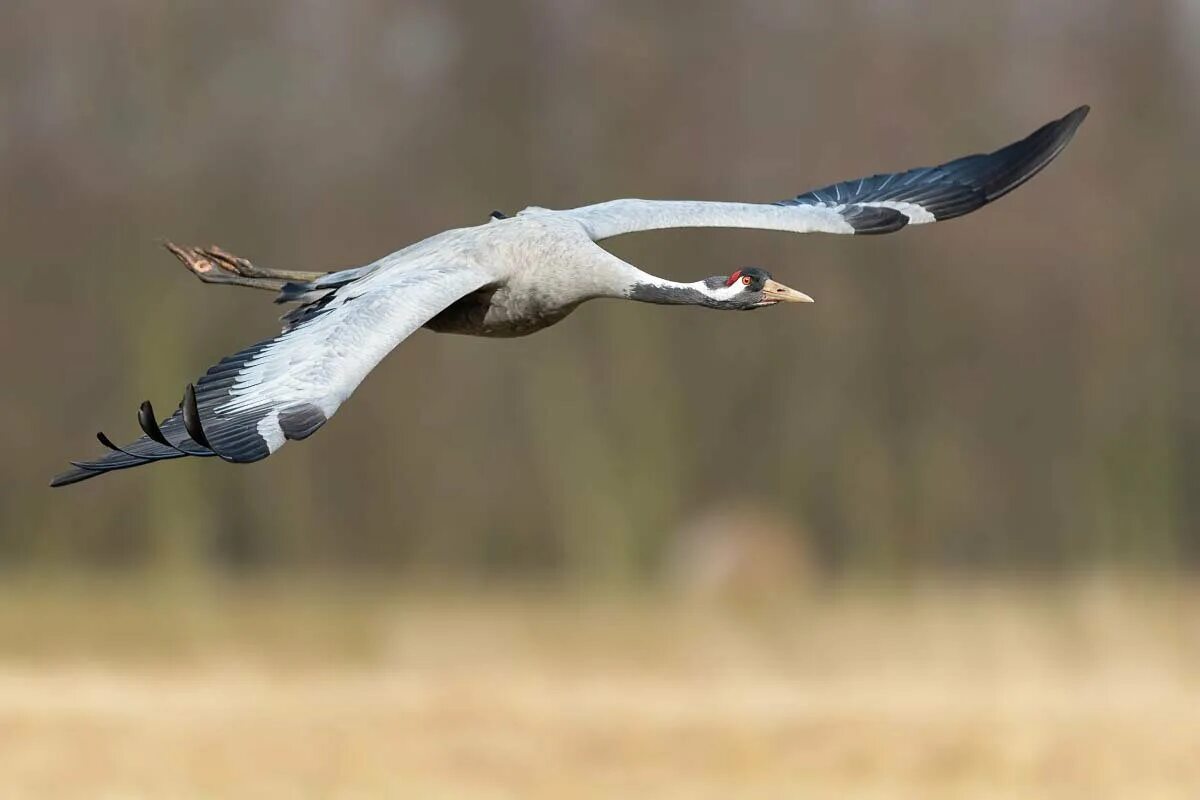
(252, 402)
(878, 204)
(929, 194)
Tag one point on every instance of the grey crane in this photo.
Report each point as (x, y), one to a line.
(512, 276)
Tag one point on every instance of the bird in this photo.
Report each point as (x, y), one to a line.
(512, 276)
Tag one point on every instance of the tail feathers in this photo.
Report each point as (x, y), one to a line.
(309, 291)
(314, 295)
(297, 292)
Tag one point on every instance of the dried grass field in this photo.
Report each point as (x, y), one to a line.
(1087, 688)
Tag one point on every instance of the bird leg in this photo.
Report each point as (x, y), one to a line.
(214, 265)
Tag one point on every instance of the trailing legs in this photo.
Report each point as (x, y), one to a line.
(214, 265)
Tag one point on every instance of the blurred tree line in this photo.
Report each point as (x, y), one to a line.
(1014, 389)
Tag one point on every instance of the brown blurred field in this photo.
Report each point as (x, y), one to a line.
(1080, 688)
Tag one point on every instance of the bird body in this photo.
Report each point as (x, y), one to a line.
(513, 276)
(542, 267)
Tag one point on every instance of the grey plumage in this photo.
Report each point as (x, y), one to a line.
(511, 276)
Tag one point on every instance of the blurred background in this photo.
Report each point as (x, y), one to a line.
(935, 533)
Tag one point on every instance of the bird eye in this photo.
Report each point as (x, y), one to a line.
(746, 280)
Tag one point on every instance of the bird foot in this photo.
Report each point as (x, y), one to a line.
(214, 265)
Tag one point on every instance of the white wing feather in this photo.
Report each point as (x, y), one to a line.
(616, 217)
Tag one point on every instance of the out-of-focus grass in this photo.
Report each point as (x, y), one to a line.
(1080, 688)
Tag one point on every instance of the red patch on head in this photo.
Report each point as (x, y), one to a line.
(732, 279)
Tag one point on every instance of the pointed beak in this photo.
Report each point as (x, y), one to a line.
(773, 290)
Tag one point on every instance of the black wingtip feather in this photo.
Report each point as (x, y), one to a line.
(948, 190)
(1000, 172)
(868, 220)
(191, 418)
(73, 476)
(104, 440)
(149, 423)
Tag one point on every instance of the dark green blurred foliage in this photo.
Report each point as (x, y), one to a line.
(1017, 388)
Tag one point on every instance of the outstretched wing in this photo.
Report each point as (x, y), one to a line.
(878, 204)
(251, 403)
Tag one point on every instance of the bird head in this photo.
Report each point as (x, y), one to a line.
(750, 288)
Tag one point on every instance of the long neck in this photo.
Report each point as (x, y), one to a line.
(672, 293)
(616, 278)
(634, 284)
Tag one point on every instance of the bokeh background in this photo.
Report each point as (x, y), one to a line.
(935, 534)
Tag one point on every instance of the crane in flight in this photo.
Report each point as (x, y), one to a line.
(512, 276)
